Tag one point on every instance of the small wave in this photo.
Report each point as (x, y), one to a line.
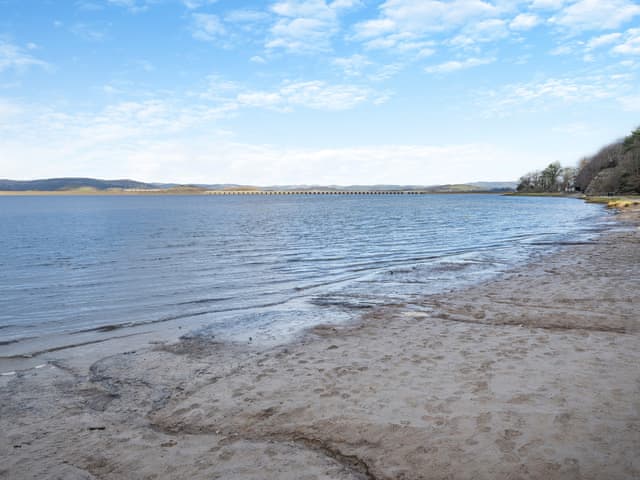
(203, 301)
(104, 328)
(562, 243)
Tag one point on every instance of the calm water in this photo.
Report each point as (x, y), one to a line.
(255, 264)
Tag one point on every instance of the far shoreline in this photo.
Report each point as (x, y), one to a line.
(196, 192)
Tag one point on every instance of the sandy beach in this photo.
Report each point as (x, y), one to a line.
(535, 375)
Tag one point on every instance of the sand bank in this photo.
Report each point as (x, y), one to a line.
(535, 375)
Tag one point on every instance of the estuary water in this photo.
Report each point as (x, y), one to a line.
(259, 267)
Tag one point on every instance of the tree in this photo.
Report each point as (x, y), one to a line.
(590, 167)
(631, 146)
(547, 180)
(568, 178)
(550, 177)
(632, 142)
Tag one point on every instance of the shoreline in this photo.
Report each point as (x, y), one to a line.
(531, 375)
(196, 192)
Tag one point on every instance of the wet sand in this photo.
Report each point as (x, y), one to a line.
(535, 375)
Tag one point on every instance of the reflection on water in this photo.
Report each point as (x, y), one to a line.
(266, 264)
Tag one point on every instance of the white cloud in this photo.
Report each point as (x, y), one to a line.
(374, 28)
(246, 16)
(554, 92)
(631, 43)
(13, 57)
(602, 40)
(386, 72)
(312, 94)
(432, 15)
(260, 99)
(455, 65)
(408, 26)
(354, 65)
(217, 89)
(193, 4)
(403, 44)
(134, 6)
(317, 95)
(562, 50)
(306, 26)
(524, 21)
(596, 14)
(322, 96)
(480, 32)
(206, 27)
(302, 35)
(547, 4)
(345, 4)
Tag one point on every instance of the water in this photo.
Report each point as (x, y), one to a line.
(261, 266)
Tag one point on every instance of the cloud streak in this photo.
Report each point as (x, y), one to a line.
(456, 65)
(14, 57)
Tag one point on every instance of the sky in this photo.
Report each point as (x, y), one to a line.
(344, 92)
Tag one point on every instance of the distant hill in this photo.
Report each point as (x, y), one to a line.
(69, 184)
(495, 186)
(62, 184)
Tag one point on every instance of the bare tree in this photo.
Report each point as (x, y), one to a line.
(550, 177)
(568, 178)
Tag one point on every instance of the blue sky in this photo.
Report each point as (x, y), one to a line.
(330, 92)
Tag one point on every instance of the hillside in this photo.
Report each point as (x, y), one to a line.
(62, 184)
